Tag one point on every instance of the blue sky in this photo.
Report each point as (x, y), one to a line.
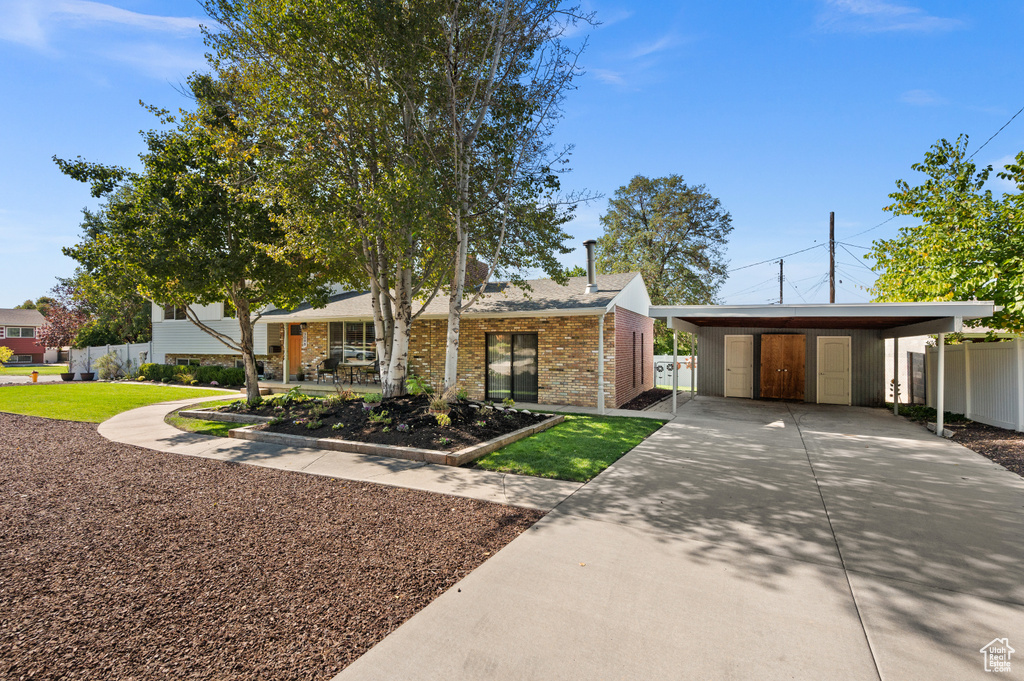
(785, 110)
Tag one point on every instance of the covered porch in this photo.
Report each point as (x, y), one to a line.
(825, 354)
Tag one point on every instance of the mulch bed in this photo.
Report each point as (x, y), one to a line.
(646, 399)
(118, 562)
(1005, 447)
(407, 422)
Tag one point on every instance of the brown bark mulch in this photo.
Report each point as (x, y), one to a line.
(646, 399)
(118, 562)
(403, 421)
(1005, 447)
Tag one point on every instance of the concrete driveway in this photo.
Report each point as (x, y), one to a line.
(746, 540)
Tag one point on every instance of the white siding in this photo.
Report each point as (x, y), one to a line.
(908, 344)
(633, 297)
(172, 337)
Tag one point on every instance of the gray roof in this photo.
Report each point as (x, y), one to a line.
(10, 317)
(546, 298)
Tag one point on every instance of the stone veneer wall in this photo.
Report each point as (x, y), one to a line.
(227, 361)
(566, 365)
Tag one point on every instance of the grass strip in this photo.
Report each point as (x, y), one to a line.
(577, 449)
(89, 402)
(48, 370)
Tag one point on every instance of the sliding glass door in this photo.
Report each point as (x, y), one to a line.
(512, 366)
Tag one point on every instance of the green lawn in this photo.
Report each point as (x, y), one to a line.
(48, 370)
(91, 402)
(201, 426)
(577, 449)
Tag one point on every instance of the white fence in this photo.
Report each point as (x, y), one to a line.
(663, 371)
(984, 381)
(131, 355)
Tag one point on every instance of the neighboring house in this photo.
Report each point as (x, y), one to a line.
(18, 329)
(176, 340)
(540, 345)
(831, 354)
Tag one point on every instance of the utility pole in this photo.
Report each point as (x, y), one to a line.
(832, 257)
(780, 281)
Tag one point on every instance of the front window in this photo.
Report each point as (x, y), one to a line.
(21, 359)
(353, 342)
(183, 362)
(21, 332)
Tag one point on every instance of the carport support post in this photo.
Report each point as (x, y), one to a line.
(284, 374)
(940, 388)
(693, 364)
(675, 368)
(896, 375)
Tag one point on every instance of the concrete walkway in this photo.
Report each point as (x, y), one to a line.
(145, 427)
(746, 540)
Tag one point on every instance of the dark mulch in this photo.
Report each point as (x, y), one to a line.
(646, 399)
(1005, 447)
(118, 562)
(407, 422)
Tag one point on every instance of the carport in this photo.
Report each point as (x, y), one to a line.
(826, 354)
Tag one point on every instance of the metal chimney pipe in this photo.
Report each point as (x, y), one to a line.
(591, 269)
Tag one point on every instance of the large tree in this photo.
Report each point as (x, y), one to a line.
(188, 228)
(674, 234)
(969, 243)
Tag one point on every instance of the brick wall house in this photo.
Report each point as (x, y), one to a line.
(534, 346)
(18, 330)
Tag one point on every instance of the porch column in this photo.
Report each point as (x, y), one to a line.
(940, 388)
(693, 364)
(600, 364)
(285, 329)
(675, 368)
(896, 375)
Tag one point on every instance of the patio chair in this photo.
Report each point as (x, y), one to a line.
(327, 367)
(370, 373)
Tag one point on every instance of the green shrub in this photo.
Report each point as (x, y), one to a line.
(232, 377)
(157, 372)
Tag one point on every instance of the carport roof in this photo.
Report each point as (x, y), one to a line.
(894, 319)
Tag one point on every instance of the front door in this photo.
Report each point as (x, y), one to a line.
(294, 348)
(834, 369)
(739, 366)
(783, 358)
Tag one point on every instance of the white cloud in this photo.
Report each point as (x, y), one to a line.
(922, 98)
(876, 16)
(606, 76)
(653, 46)
(32, 23)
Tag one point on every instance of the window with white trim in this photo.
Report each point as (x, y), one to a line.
(21, 359)
(183, 362)
(21, 332)
(174, 312)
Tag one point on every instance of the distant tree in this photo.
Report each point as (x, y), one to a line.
(27, 305)
(576, 271)
(61, 327)
(969, 244)
(674, 234)
(5, 352)
(115, 314)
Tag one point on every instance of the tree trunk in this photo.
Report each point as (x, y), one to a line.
(451, 351)
(252, 383)
(398, 370)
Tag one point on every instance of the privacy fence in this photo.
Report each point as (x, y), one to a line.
(663, 371)
(130, 356)
(984, 381)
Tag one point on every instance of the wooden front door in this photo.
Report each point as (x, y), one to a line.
(783, 358)
(294, 348)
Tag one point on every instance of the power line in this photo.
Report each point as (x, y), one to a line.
(866, 248)
(775, 259)
(855, 259)
(871, 229)
(997, 132)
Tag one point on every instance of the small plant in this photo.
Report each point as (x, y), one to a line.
(214, 383)
(416, 385)
(481, 424)
(380, 417)
(317, 410)
(439, 405)
(508, 402)
(403, 428)
(109, 366)
(276, 421)
(186, 374)
(373, 398)
(387, 429)
(300, 421)
(344, 394)
(313, 425)
(462, 394)
(443, 441)
(338, 426)
(443, 420)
